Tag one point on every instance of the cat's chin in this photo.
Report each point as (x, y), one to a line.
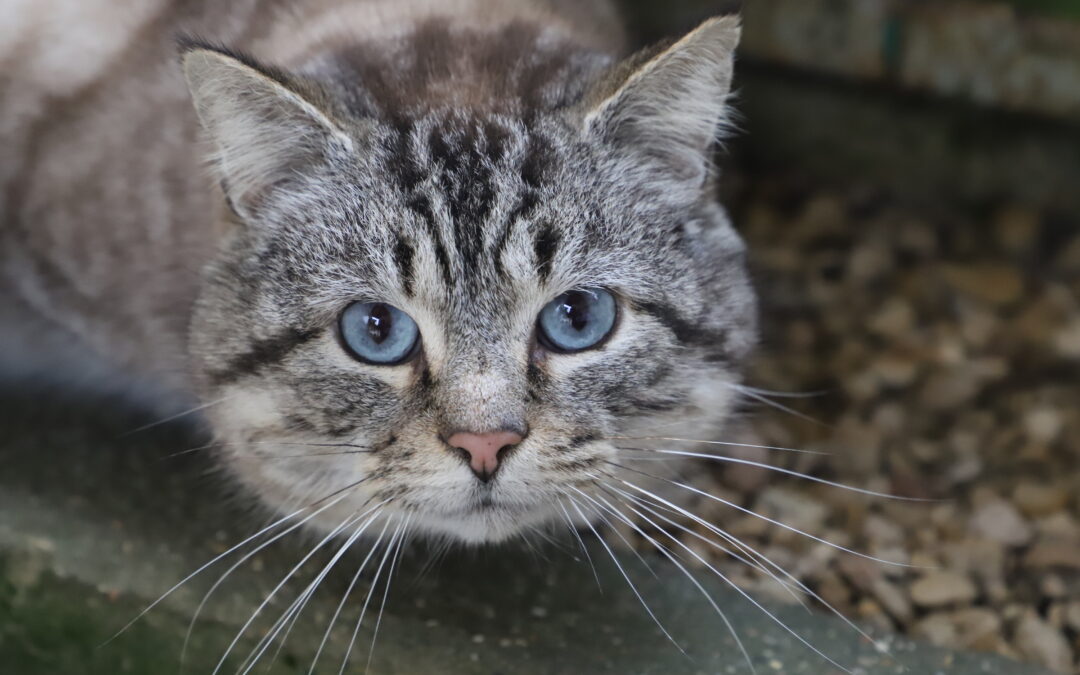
(482, 525)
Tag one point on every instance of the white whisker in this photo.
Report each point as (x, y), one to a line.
(546, 538)
(191, 576)
(780, 394)
(750, 598)
(749, 555)
(581, 543)
(629, 546)
(374, 584)
(247, 556)
(386, 589)
(758, 555)
(614, 559)
(789, 472)
(333, 533)
(177, 416)
(724, 443)
(437, 554)
(345, 597)
(750, 559)
(770, 520)
(667, 554)
(189, 451)
(294, 610)
(311, 455)
(773, 404)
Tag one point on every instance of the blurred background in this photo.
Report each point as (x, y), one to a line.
(907, 175)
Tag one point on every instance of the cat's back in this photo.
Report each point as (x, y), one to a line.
(89, 87)
(102, 207)
(106, 210)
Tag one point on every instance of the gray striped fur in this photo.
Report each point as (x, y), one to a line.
(465, 161)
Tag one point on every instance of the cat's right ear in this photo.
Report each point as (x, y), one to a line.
(263, 126)
(669, 104)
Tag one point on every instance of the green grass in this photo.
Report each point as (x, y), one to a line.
(58, 627)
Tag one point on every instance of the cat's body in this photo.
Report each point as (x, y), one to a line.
(467, 162)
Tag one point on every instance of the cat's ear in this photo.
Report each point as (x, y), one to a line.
(671, 103)
(263, 127)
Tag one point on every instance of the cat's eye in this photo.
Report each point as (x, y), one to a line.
(577, 320)
(378, 333)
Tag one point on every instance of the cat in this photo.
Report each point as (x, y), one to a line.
(434, 262)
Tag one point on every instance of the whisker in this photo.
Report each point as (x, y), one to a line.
(292, 613)
(215, 559)
(374, 584)
(317, 454)
(355, 449)
(789, 586)
(320, 445)
(751, 557)
(247, 556)
(386, 589)
(702, 442)
(345, 597)
(769, 520)
(779, 406)
(751, 551)
(581, 543)
(333, 533)
(629, 546)
(666, 553)
(189, 451)
(437, 554)
(781, 394)
(348, 487)
(750, 598)
(170, 418)
(577, 507)
(546, 538)
(530, 546)
(778, 469)
(758, 555)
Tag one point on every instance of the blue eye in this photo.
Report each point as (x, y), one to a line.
(379, 333)
(577, 320)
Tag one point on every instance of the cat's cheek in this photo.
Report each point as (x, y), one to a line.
(260, 446)
(279, 478)
(246, 407)
(707, 412)
(712, 398)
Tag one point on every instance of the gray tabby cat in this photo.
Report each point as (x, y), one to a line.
(450, 256)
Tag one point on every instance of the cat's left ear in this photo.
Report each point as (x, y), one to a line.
(265, 128)
(670, 104)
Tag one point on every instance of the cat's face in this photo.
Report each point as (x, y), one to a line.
(390, 294)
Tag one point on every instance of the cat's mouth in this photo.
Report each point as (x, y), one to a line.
(487, 504)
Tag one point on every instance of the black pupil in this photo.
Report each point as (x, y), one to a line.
(379, 323)
(576, 307)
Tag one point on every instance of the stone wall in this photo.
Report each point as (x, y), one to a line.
(938, 101)
(991, 53)
(1021, 55)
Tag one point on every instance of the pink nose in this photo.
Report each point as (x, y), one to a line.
(483, 449)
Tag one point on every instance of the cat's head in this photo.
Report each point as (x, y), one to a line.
(455, 307)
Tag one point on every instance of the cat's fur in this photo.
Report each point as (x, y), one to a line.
(465, 161)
